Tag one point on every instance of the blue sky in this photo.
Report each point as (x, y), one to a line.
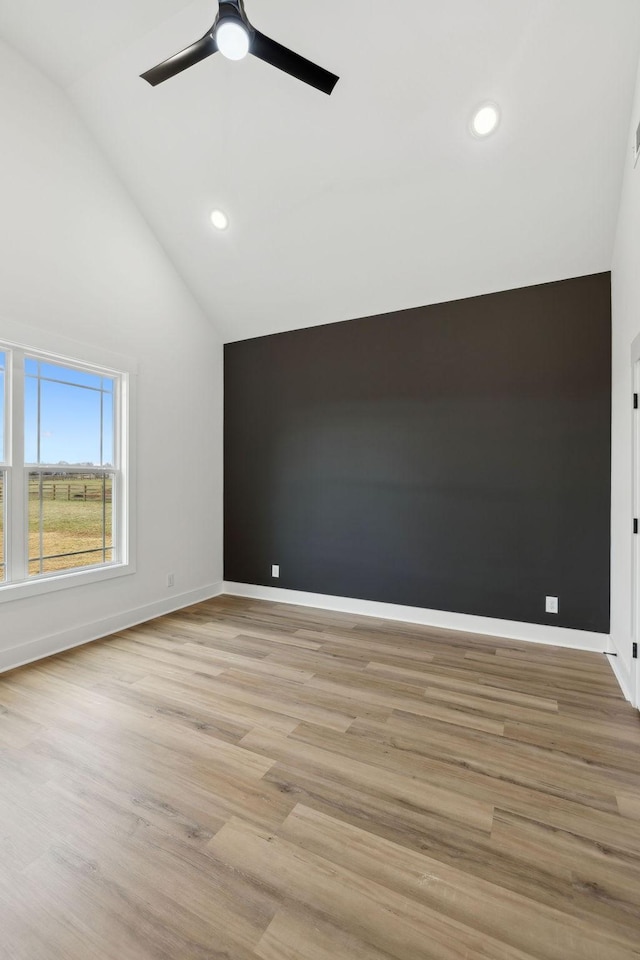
(70, 415)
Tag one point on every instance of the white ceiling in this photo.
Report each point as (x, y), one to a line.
(376, 198)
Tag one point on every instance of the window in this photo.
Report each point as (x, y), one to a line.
(63, 491)
(3, 406)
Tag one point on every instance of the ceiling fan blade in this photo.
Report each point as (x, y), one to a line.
(292, 63)
(198, 51)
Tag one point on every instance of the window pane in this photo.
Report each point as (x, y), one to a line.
(70, 521)
(2, 553)
(54, 371)
(67, 423)
(2, 406)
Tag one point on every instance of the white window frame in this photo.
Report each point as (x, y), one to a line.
(4, 461)
(76, 356)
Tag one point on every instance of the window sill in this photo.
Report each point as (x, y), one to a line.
(53, 582)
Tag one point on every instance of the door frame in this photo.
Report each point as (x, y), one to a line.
(635, 540)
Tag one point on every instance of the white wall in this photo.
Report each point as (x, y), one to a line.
(77, 260)
(626, 327)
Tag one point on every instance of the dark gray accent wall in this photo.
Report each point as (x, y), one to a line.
(453, 457)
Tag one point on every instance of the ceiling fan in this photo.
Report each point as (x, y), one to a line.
(234, 37)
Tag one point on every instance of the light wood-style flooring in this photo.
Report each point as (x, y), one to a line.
(254, 781)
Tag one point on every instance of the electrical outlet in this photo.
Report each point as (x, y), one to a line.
(171, 580)
(275, 571)
(551, 605)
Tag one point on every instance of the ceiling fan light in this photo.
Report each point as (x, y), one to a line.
(232, 39)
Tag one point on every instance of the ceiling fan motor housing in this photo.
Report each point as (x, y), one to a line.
(232, 10)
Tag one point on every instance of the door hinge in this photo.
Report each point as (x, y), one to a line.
(635, 401)
(634, 651)
(635, 525)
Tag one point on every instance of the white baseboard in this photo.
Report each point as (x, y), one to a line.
(485, 626)
(622, 675)
(86, 633)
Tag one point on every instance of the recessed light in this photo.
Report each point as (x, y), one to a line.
(485, 120)
(219, 219)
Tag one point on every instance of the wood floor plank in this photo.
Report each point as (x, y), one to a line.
(425, 678)
(492, 768)
(372, 912)
(401, 788)
(366, 691)
(603, 881)
(503, 915)
(324, 710)
(293, 934)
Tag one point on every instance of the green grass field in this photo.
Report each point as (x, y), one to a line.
(71, 515)
(67, 515)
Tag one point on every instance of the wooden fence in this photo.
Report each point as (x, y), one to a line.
(69, 490)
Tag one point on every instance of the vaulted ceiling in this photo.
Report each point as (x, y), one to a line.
(376, 198)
